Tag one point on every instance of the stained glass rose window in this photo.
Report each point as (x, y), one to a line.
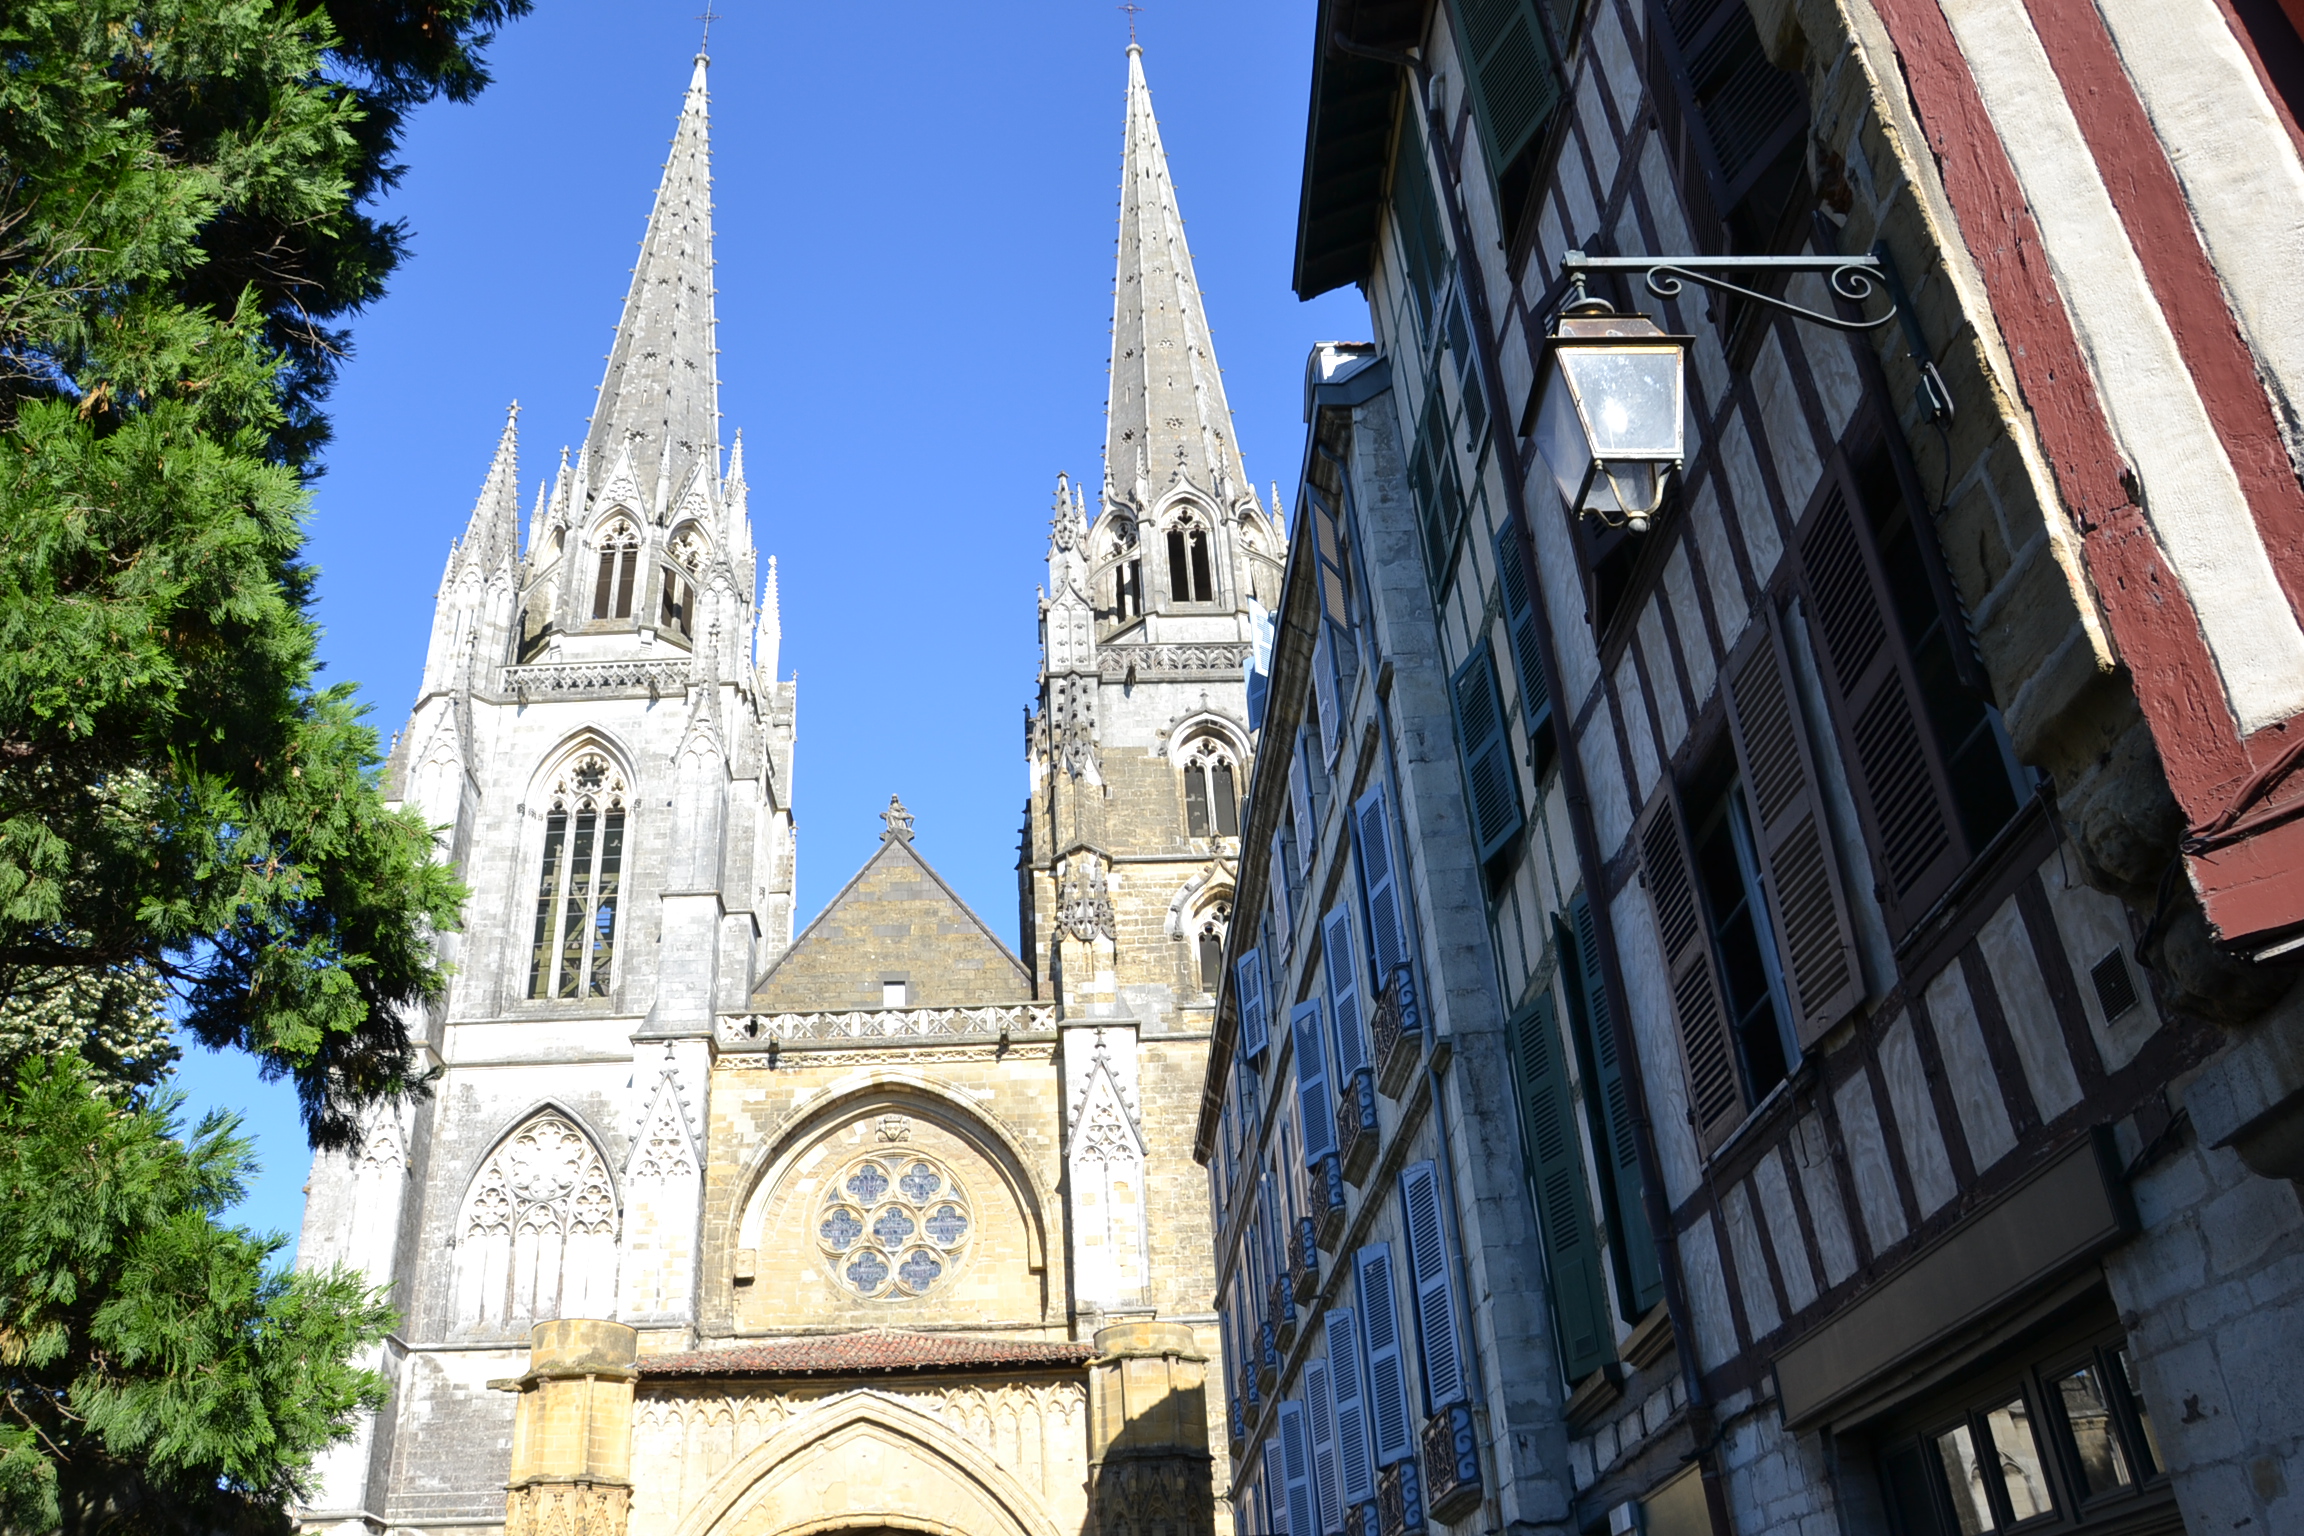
(874, 1217)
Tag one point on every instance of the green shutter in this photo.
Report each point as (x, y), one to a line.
(1515, 88)
(1416, 213)
(1490, 777)
(1527, 649)
(1639, 1277)
(1556, 1180)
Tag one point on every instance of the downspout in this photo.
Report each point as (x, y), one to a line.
(1591, 865)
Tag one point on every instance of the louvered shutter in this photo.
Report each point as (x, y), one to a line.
(1491, 782)
(1563, 1207)
(1300, 801)
(1387, 1380)
(1296, 1465)
(1248, 987)
(1314, 1104)
(1355, 1468)
(1815, 940)
(1901, 783)
(1274, 1494)
(1639, 1274)
(1324, 694)
(1723, 111)
(1281, 883)
(1321, 1409)
(1515, 86)
(1343, 992)
(1715, 1092)
(1380, 885)
(1527, 647)
(1436, 1336)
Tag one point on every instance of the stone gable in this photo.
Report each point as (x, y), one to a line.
(895, 921)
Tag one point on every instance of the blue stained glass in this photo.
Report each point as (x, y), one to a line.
(867, 1271)
(919, 1270)
(893, 1226)
(948, 1225)
(920, 1181)
(842, 1227)
(868, 1183)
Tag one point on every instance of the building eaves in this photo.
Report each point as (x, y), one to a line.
(874, 1353)
(1348, 138)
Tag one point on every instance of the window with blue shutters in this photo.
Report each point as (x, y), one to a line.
(1608, 1105)
(1556, 1179)
(1380, 886)
(1355, 1464)
(1437, 1339)
(1343, 972)
(1315, 1106)
(1386, 1383)
(1320, 1408)
(1296, 1471)
(1248, 995)
(1491, 779)
(1513, 49)
(1272, 1493)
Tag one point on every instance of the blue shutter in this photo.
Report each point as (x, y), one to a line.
(1300, 800)
(1639, 1273)
(1491, 779)
(1272, 1493)
(1248, 988)
(1527, 649)
(1563, 1209)
(1380, 885)
(1356, 1473)
(1282, 883)
(1322, 1408)
(1387, 1381)
(1296, 1462)
(1313, 1103)
(1436, 1333)
(1343, 993)
(1324, 693)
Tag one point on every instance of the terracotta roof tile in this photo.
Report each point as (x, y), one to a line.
(846, 1354)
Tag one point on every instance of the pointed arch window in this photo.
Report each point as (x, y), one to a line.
(538, 1235)
(574, 950)
(1211, 945)
(1211, 792)
(619, 560)
(1190, 578)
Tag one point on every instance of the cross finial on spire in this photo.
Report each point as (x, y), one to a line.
(1132, 8)
(707, 16)
(899, 822)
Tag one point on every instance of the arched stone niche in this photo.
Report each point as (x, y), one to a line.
(842, 1183)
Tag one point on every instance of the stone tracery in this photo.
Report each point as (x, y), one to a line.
(538, 1235)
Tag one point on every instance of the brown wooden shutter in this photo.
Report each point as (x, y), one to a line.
(1815, 940)
(1715, 1091)
(1902, 789)
(1724, 113)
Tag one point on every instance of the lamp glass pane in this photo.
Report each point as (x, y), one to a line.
(1560, 436)
(1629, 398)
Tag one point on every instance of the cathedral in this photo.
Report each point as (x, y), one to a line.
(708, 1227)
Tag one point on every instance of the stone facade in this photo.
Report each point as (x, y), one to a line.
(708, 1228)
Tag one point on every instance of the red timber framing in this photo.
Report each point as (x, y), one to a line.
(2243, 807)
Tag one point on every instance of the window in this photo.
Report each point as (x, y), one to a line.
(1125, 560)
(1491, 778)
(895, 994)
(1512, 579)
(1333, 655)
(1416, 219)
(679, 610)
(1608, 1111)
(1728, 875)
(1211, 946)
(537, 1238)
(1734, 126)
(575, 942)
(2062, 1443)
(619, 558)
(1514, 48)
(1432, 482)
(1555, 1168)
(891, 1228)
(1934, 776)
(1189, 577)
(1129, 596)
(1211, 801)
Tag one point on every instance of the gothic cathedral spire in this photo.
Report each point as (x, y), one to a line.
(660, 399)
(1166, 419)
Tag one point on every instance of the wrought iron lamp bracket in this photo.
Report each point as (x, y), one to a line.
(1856, 279)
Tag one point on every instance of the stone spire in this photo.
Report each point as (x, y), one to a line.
(1166, 416)
(661, 396)
(492, 538)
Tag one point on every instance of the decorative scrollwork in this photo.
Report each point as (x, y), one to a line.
(1855, 279)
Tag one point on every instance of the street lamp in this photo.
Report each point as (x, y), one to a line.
(1608, 408)
(1608, 413)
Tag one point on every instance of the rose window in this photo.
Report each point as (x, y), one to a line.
(892, 1227)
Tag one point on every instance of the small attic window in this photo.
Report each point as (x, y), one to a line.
(895, 994)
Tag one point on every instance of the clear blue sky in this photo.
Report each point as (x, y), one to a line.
(915, 239)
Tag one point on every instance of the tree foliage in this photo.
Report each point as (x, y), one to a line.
(183, 233)
(158, 1371)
